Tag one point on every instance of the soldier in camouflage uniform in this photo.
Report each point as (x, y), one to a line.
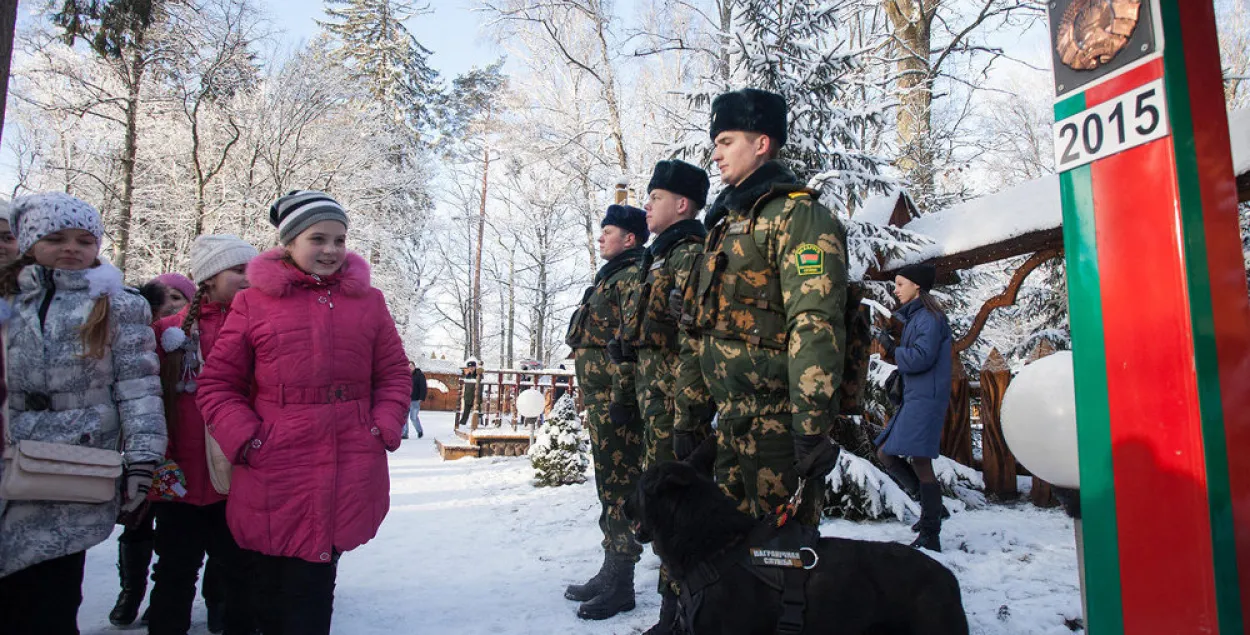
(649, 332)
(768, 301)
(612, 415)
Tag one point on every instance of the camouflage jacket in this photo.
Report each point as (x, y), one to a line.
(597, 321)
(768, 302)
(647, 317)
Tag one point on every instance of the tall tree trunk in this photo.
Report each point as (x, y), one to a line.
(544, 300)
(131, 150)
(913, 21)
(8, 23)
(477, 264)
(589, 217)
(609, 93)
(511, 333)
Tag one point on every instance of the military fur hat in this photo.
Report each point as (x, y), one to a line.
(750, 110)
(631, 219)
(681, 178)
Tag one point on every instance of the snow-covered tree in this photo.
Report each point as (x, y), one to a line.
(559, 452)
(380, 51)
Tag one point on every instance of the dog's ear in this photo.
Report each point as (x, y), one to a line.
(703, 459)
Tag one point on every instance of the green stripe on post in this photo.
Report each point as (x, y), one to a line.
(1101, 543)
(1104, 602)
(1201, 310)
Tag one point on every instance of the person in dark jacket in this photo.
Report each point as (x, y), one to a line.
(924, 359)
(419, 392)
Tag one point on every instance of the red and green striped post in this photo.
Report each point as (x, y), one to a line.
(1161, 341)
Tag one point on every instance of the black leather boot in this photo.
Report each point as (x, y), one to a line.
(668, 615)
(592, 587)
(618, 594)
(930, 517)
(132, 567)
(903, 474)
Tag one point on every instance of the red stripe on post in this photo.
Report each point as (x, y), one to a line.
(1156, 431)
(1113, 88)
(1231, 308)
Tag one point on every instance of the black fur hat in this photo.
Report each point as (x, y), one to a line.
(750, 110)
(631, 219)
(681, 178)
(924, 275)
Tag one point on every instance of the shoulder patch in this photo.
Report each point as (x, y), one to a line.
(809, 259)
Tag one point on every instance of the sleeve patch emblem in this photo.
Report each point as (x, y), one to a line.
(810, 260)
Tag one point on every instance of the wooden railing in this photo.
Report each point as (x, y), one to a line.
(495, 405)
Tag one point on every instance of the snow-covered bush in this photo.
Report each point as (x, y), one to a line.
(559, 452)
(857, 490)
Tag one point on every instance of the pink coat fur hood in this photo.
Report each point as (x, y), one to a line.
(306, 389)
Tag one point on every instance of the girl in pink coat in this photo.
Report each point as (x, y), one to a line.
(305, 391)
(190, 511)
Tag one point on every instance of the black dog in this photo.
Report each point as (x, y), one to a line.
(856, 587)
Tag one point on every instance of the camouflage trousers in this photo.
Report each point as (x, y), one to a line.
(617, 452)
(755, 467)
(657, 385)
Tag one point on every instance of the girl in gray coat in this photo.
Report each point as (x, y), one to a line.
(81, 368)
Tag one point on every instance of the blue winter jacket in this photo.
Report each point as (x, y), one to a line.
(924, 361)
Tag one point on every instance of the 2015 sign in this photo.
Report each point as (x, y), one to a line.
(1132, 119)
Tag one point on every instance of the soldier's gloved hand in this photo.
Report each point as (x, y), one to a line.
(136, 482)
(815, 455)
(684, 443)
(621, 415)
(621, 352)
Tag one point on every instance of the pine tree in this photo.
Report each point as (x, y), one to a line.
(558, 453)
(379, 49)
(798, 48)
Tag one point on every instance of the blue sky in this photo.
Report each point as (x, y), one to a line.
(453, 31)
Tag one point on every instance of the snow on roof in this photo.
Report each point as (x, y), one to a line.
(1239, 131)
(438, 366)
(1013, 212)
(1023, 209)
(878, 209)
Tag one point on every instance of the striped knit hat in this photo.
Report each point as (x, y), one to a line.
(301, 209)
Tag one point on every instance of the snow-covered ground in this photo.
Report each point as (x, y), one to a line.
(472, 547)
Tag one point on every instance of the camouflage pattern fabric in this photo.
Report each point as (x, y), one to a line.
(607, 389)
(768, 301)
(650, 324)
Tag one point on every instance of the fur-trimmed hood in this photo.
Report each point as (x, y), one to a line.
(272, 275)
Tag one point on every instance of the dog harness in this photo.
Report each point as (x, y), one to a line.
(781, 556)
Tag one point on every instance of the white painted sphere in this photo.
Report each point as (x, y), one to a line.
(530, 403)
(1039, 419)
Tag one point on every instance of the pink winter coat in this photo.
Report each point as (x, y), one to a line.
(186, 432)
(331, 384)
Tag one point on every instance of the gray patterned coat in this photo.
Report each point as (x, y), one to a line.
(48, 358)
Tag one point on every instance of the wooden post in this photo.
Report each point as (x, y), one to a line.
(997, 462)
(1043, 493)
(957, 430)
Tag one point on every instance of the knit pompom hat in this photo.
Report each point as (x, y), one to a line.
(211, 255)
(33, 217)
(301, 209)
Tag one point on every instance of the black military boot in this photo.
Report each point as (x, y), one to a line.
(618, 594)
(668, 615)
(592, 587)
(132, 566)
(930, 517)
